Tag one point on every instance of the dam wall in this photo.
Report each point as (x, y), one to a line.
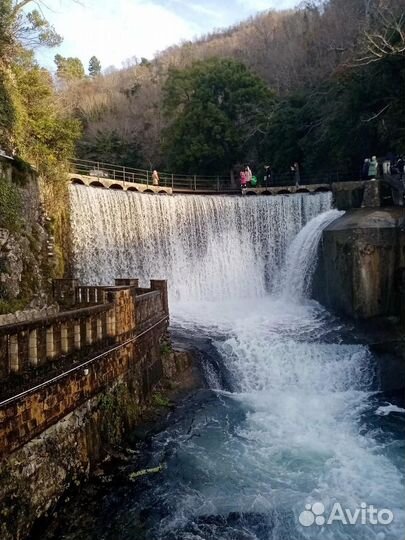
(361, 264)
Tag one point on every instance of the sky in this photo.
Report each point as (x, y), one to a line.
(117, 30)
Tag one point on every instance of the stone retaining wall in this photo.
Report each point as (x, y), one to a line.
(53, 433)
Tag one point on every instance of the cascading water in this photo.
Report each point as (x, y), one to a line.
(207, 247)
(302, 256)
(298, 421)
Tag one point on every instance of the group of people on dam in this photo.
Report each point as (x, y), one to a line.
(248, 179)
(393, 165)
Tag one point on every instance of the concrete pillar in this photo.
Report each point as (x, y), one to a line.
(99, 329)
(50, 343)
(13, 354)
(161, 285)
(33, 348)
(77, 338)
(89, 333)
(64, 338)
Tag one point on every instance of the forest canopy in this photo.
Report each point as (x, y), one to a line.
(322, 84)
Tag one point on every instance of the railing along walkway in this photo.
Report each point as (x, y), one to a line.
(189, 183)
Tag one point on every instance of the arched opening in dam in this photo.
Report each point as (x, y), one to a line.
(292, 420)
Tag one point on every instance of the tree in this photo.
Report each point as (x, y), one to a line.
(94, 66)
(218, 111)
(22, 28)
(109, 146)
(69, 69)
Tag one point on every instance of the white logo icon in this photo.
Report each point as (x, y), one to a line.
(365, 515)
(312, 514)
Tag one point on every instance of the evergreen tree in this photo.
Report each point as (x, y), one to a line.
(69, 69)
(217, 111)
(94, 66)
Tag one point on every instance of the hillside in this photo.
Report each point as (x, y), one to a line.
(335, 69)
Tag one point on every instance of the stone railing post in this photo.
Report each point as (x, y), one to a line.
(13, 352)
(161, 285)
(33, 348)
(123, 311)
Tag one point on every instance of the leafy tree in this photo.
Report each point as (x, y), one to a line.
(218, 111)
(69, 69)
(94, 66)
(110, 147)
(19, 27)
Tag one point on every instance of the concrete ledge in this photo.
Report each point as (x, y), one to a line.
(120, 185)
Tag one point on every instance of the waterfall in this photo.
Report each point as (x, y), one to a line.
(291, 418)
(302, 254)
(206, 246)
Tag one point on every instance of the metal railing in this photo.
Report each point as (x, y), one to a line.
(178, 182)
(199, 183)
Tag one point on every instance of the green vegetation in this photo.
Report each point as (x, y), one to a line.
(160, 400)
(34, 125)
(216, 109)
(10, 206)
(118, 410)
(94, 66)
(69, 69)
(166, 348)
(109, 147)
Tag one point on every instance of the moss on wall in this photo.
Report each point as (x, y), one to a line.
(119, 410)
(10, 206)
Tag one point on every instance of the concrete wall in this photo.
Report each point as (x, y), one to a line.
(361, 261)
(54, 432)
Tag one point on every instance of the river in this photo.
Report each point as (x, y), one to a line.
(292, 436)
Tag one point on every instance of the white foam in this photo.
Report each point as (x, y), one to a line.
(384, 410)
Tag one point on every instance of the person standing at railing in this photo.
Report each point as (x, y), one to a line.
(267, 175)
(155, 178)
(243, 179)
(248, 174)
(364, 171)
(372, 168)
(295, 173)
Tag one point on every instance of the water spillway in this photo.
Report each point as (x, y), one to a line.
(291, 416)
(205, 246)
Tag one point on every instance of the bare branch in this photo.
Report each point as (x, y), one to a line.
(377, 114)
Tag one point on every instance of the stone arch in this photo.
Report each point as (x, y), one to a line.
(267, 192)
(250, 193)
(302, 190)
(162, 192)
(77, 181)
(283, 192)
(149, 191)
(322, 189)
(116, 186)
(96, 184)
(132, 188)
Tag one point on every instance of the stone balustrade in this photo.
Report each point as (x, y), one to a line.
(98, 316)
